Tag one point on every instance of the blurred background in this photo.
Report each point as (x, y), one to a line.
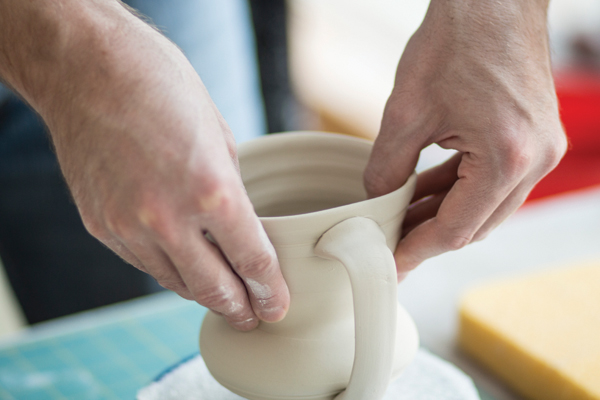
(318, 65)
(324, 65)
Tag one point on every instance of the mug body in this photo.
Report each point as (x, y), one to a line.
(301, 185)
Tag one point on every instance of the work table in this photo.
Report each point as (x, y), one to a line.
(111, 352)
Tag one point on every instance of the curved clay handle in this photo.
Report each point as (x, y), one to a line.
(359, 244)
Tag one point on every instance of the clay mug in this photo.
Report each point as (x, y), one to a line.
(345, 336)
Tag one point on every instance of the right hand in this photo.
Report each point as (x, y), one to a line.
(152, 167)
(475, 79)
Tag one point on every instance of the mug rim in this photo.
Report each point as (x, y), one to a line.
(346, 208)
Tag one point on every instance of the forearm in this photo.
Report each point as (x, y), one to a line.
(40, 41)
(80, 61)
(507, 17)
(509, 27)
(59, 52)
(503, 44)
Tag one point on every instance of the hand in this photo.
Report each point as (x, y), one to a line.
(475, 78)
(152, 165)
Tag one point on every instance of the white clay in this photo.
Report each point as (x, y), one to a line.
(335, 251)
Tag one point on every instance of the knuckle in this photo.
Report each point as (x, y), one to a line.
(256, 266)
(93, 226)
(215, 195)
(517, 159)
(133, 262)
(119, 227)
(555, 151)
(174, 285)
(219, 298)
(519, 154)
(165, 275)
(456, 242)
(481, 235)
(456, 239)
(155, 219)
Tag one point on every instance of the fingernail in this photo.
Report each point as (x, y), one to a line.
(245, 325)
(401, 276)
(272, 314)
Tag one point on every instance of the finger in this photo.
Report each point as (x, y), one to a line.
(505, 210)
(421, 211)
(160, 267)
(99, 231)
(244, 242)
(402, 276)
(210, 279)
(437, 179)
(395, 153)
(471, 201)
(432, 187)
(122, 251)
(229, 139)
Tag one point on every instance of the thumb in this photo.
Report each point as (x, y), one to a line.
(395, 153)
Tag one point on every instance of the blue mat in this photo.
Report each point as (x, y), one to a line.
(111, 361)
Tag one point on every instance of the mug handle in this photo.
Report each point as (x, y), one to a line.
(360, 245)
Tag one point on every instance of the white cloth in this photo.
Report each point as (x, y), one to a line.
(427, 378)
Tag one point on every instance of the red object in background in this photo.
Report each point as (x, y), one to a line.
(579, 98)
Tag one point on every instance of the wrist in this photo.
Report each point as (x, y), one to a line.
(498, 25)
(492, 14)
(503, 41)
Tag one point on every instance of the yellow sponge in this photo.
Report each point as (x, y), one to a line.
(540, 334)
